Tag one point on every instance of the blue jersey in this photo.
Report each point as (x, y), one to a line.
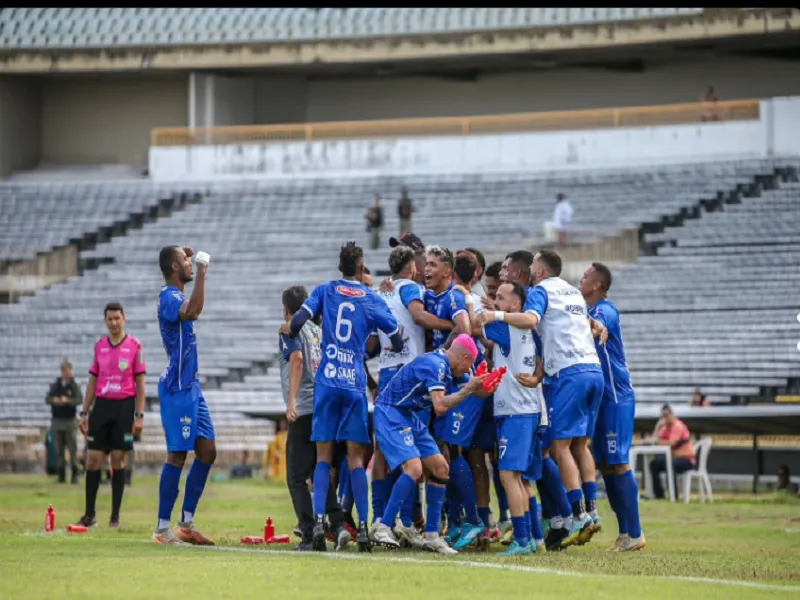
(612, 355)
(178, 338)
(447, 305)
(350, 312)
(411, 388)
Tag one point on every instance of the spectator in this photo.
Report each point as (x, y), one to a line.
(562, 215)
(671, 431)
(63, 397)
(699, 399)
(374, 219)
(785, 484)
(242, 470)
(709, 100)
(405, 208)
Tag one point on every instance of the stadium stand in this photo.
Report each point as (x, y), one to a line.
(80, 28)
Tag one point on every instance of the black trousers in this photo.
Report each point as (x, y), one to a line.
(301, 459)
(659, 465)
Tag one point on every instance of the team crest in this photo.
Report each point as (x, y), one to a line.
(123, 364)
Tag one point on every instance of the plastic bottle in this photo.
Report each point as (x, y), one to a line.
(50, 519)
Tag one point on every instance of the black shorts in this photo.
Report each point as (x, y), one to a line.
(111, 425)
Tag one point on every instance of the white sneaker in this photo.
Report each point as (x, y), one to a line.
(382, 535)
(439, 546)
(409, 536)
(633, 544)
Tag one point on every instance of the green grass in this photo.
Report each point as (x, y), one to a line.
(751, 548)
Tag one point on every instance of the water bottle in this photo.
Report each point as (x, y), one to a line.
(50, 519)
(269, 529)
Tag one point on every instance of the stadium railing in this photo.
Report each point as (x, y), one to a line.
(604, 118)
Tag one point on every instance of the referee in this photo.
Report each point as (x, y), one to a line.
(112, 409)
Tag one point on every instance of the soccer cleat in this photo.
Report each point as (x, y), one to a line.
(87, 521)
(186, 533)
(113, 522)
(165, 537)
(439, 546)
(532, 546)
(516, 550)
(587, 534)
(297, 531)
(618, 542)
(633, 544)
(505, 526)
(578, 527)
(545, 526)
(303, 547)
(554, 538)
(453, 534)
(420, 526)
(507, 537)
(318, 538)
(343, 537)
(491, 535)
(408, 536)
(364, 545)
(382, 535)
(469, 533)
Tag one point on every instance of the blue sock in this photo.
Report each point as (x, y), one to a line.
(380, 488)
(461, 474)
(616, 501)
(575, 498)
(537, 533)
(483, 512)
(407, 506)
(435, 497)
(520, 530)
(168, 491)
(555, 488)
(630, 492)
(546, 501)
(322, 481)
(500, 491)
(402, 490)
(358, 480)
(528, 525)
(453, 500)
(345, 489)
(590, 494)
(195, 484)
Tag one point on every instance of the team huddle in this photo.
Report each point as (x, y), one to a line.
(527, 374)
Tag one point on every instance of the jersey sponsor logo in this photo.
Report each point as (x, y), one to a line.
(123, 364)
(350, 292)
(342, 355)
(529, 361)
(330, 371)
(575, 309)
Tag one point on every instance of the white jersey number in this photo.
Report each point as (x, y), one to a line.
(344, 326)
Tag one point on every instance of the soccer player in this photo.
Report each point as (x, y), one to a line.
(426, 382)
(441, 299)
(517, 411)
(614, 429)
(476, 285)
(113, 409)
(573, 384)
(492, 279)
(350, 312)
(184, 413)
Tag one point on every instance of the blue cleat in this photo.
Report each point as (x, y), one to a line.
(469, 533)
(453, 534)
(516, 550)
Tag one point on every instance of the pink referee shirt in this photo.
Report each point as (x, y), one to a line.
(116, 367)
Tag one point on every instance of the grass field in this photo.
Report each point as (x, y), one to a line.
(731, 549)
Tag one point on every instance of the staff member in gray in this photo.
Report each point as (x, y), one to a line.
(63, 398)
(299, 359)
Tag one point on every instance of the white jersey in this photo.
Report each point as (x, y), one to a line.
(405, 291)
(563, 327)
(517, 351)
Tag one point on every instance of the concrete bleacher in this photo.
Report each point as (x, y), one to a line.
(66, 28)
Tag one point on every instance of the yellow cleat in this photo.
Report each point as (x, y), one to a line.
(586, 535)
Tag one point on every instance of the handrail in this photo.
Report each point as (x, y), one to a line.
(602, 118)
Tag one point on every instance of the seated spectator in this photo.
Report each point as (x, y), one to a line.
(242, 470)
(671, 431)
(699, 399)
(785, 484)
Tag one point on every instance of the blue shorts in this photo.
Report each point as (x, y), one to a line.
(575, 401)
(385, 376)
(401, 436)
(515, 441)
(613, 433)
(458, 424)
(184, 417)
(339, 415)
(486, 431)
(534, 471)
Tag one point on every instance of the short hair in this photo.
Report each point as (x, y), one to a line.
(442, 253)
(465, 266)
(518, 291)
(113, 306)
(166, 258)
(603, 275)
(551, 261)
(493, 270)
(666, 407)
(350, 256)
(399, 258)
(293, 298)
(479, 256)
(521, 256)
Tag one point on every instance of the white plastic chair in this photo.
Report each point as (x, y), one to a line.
(703, 449)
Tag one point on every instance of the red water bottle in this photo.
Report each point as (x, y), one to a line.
(269, 529)
(50, 519)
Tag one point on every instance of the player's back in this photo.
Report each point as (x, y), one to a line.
(179, 340)
(410, 388)
(612, 353)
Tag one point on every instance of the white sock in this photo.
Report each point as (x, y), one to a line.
(187, 517)
(432, 536)
(163, 524)
(556, 522)
(593, 514)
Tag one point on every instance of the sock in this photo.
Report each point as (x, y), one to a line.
(485, 515)
(167, 493)
(520, 527)
(322, 481)
(407, 506)
(615, 499)
(537, 533)
(528, 525)
(417, 509)
(92, 485)
(344, 481)
(401, 492)
(358, 481)
(195, 484)
(575, 498)
(117, 489)
(590, 493)
(555, 488)
(462, 475)
(453, 499)
(500, 491)
(379, 497)
(629, 490)
(545, 500)
(435, 497)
